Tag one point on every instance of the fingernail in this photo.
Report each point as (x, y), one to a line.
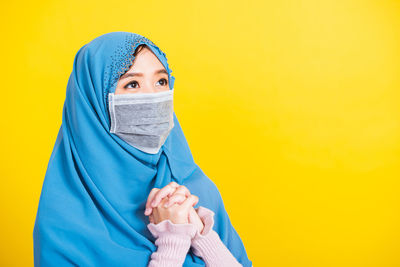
(146, 211)
(153, 203)
(166, 205)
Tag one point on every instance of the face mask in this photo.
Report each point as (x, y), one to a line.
(143, 120)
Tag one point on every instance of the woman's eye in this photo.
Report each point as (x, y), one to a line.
(131, 83)
(165, 81)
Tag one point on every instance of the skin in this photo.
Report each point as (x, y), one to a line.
(146, 78)
(166, 203)
(148, 75)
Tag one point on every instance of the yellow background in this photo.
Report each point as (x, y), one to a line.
(290, 107)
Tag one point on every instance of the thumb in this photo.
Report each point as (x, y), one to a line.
(192, 216)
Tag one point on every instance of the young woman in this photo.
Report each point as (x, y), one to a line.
(119, 148)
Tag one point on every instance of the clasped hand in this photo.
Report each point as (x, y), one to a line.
(173, 202)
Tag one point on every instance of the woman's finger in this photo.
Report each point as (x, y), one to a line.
(182, 190)
(165, 191)
(190, 201)
(151, 218)
(175, 198)
(174, 184)
(152, 194)
(149, 199)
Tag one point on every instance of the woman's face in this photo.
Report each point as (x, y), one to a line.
(146, 75)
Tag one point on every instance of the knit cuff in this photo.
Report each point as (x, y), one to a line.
(208, 244)
(207, 216)
(173, 242)
(166, 227)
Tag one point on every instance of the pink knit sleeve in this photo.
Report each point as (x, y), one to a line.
(208, 244)
(173, 242)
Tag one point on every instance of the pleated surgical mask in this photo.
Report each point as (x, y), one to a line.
(143, 120)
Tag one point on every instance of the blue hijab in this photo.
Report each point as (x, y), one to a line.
(91, 207)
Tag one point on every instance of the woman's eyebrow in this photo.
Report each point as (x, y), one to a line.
(132, 74)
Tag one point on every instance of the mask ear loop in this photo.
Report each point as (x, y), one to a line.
(112, 112)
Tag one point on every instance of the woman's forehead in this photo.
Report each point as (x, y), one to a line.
(146, 58)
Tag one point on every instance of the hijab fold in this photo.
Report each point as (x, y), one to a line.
(91, 207)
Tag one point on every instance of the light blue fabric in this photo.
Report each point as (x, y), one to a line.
(91, 207)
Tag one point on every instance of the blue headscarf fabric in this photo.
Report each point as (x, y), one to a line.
(91, 207)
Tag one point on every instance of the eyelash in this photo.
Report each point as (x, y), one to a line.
(132, 82)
